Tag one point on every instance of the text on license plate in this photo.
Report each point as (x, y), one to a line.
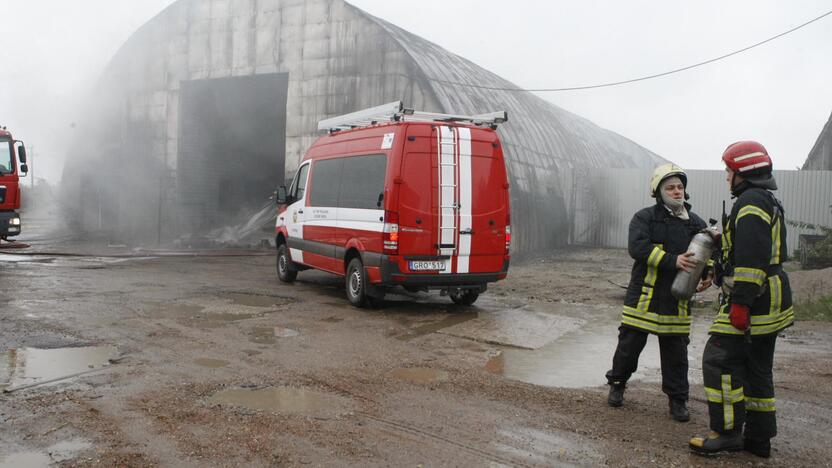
(427, 265)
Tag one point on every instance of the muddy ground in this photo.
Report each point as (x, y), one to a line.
(210, 361)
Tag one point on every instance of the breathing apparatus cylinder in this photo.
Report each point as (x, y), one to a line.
(702, 245)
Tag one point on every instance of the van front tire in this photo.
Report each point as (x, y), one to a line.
(464, 297)
(285, 269)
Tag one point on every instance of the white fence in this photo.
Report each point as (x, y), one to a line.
(606, 199)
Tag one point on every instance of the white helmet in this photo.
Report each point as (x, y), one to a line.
(663, 172)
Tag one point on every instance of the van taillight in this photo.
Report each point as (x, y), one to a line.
(391, 232)
(508, 233)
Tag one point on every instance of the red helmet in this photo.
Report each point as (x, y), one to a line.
(747, 158)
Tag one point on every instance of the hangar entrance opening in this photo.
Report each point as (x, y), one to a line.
(232, 148)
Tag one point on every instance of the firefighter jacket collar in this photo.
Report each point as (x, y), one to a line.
(765, 182)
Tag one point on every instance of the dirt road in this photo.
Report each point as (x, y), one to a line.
(209, 361)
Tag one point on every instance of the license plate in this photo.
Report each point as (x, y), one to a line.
(427, 265)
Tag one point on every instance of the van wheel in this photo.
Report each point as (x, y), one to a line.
(285, 269)
(464, 297)
(356, 283)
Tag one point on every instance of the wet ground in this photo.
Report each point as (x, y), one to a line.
(144, 359)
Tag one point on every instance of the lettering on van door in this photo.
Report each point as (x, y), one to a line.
(321, 213)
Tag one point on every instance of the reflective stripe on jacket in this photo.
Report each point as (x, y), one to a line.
(753, 250)
(656, 238)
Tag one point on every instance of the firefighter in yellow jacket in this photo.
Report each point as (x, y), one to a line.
(658, 241)
(756, 306)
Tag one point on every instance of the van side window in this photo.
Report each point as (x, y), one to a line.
(326, 182)
(362, 181)
(299, 185)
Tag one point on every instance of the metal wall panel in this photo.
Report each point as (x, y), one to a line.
(616, 194)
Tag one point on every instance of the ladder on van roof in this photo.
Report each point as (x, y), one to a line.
(396, 112)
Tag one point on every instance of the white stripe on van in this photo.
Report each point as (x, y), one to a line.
(465, 199)
(361, 218)
(447, 193)
(297, 255)
(350, 218)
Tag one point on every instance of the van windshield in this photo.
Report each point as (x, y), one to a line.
(6, 166)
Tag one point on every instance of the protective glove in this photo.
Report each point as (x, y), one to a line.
(739, 315)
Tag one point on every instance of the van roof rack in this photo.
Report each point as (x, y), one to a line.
(396, 112)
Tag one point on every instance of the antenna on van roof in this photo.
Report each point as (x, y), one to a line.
(396, 112)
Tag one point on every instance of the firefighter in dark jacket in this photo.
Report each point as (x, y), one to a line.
(756, 306)
(658, 241)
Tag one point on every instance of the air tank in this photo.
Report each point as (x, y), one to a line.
(702, 245)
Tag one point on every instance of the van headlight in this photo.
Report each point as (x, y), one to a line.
(14, 221)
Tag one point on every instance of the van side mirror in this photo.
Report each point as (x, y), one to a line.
(24, 169)
(280, 195)
(21, 153)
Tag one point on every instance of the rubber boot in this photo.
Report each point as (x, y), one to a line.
(616, 396)
(679, 410)
(758, 447)
(716, 443)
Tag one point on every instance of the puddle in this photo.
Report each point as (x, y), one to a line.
(216, 312)
(30, 365)
(528, 327)
(269, 335)
(224, 316)
(283, 400)
(25, 259)
(58, 453)
(547, 448)
(580, 358)
(256, 300)
(26, 460)
(99, 321)
(199, 316)
(211, 363)
(67, 450)
(176, 310)
(433, 327)
(419, 375)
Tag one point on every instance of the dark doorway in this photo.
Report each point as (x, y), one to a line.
(232, 148)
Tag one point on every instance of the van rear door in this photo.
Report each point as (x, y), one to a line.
(416, 193)
(481, 200)
(453, 201)
(489, 202)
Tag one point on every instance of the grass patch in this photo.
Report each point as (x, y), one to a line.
(820, 310)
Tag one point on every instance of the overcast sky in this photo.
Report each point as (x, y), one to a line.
(779, 93)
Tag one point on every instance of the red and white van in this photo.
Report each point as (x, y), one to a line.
(392, 197)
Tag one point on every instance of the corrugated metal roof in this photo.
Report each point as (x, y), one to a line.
(540, 133)
(339, 59)
(820, 157)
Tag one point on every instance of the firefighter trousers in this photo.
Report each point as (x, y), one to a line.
(739, 385)
(674, 358)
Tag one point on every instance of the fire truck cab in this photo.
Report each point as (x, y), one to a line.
(394, 197)
(10, 151)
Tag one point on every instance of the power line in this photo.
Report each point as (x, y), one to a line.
(633, 80)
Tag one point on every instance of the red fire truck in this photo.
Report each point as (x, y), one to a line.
(395, 197)
(10, 151)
